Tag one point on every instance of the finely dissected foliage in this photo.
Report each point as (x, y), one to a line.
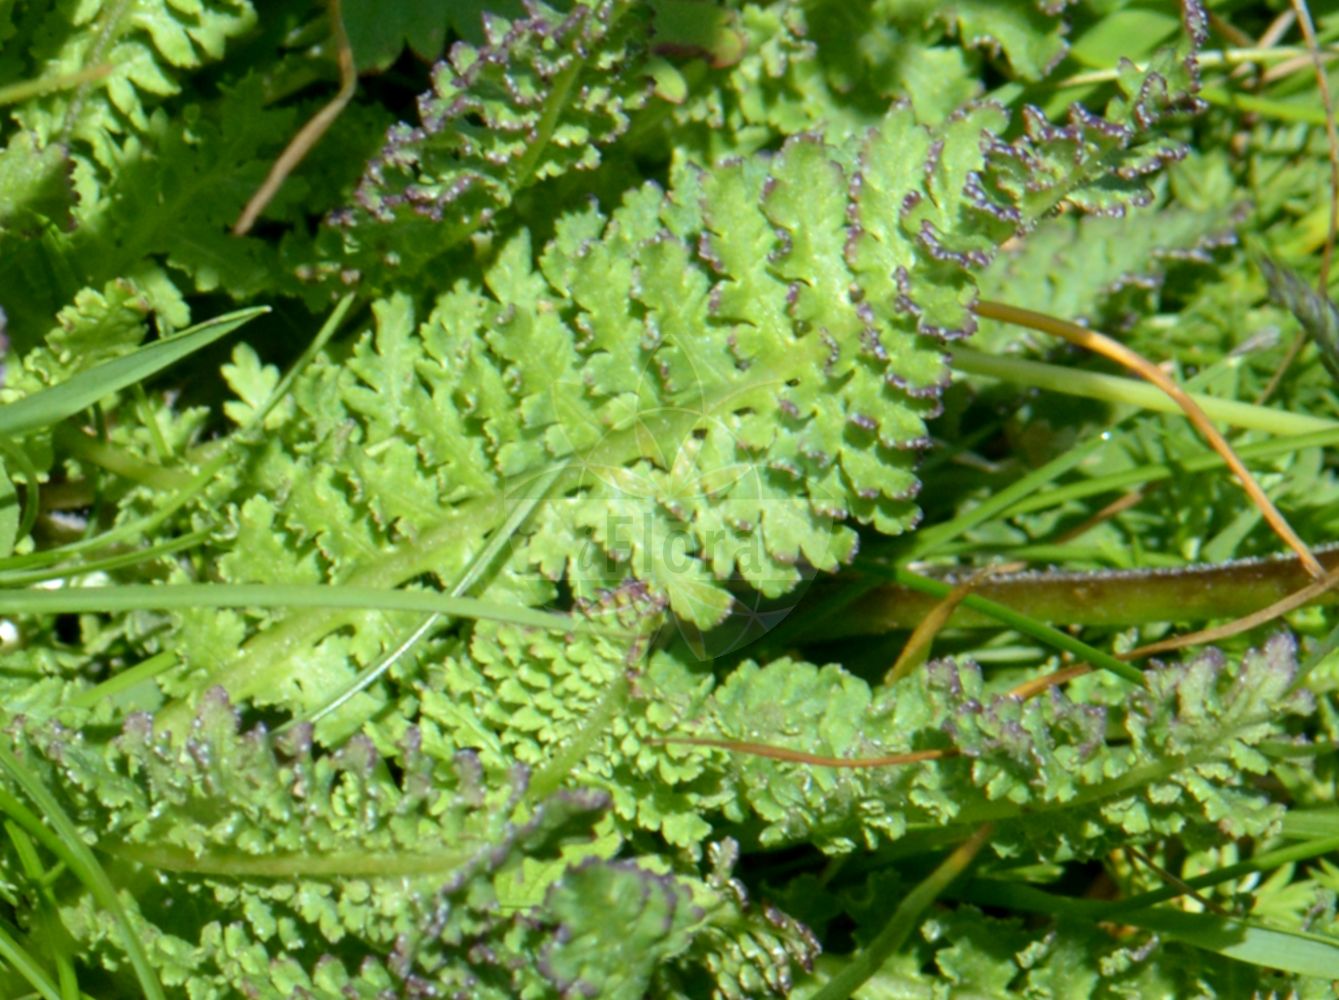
(458, 651)
(430, 867)
(541, 98)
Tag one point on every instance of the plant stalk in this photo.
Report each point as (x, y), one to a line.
(1112, 597)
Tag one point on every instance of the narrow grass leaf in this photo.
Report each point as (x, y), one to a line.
(18, 958)
(64, 840)
(904, 920)
(140, 597)
(9, 513)
(83, 390)
(1130, 392)
(1014, 619)
(1243, 940)
(47, 919)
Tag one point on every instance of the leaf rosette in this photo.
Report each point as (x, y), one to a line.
(708, 390)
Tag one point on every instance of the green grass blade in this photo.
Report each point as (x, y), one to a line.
(121, 560)
(1304, 824)
(285, 384)
(1244, 940)
(1027, 494)
(9, 513)
(63, 840)
(1143, 475)
(17, 958)
(1310, 113)
(1133, 392)
(903, 922)
(1264, 862)
(52, 405)
(32, 499)
(143, 597)
(50, 929)
(124, 680)
(520, 513)
(212, 461)
(1019, 622)
(1317, 655)
(932, 539)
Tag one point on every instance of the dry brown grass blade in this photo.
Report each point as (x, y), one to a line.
(1286, 68)
(1265, 615)
(1234, 35)
(1101, 344)
(310, 134)
(1035, 686)
(1181, 886)
(800, 756)
(917, 649)
(1294, 349)
(1122, 503)
(1277, 29)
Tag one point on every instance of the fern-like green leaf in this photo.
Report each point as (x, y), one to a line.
(375, 881)
(644, 314)
(539, 98)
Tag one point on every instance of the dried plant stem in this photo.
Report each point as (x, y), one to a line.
(1035, 686)
(1288, 67)
(1181, 887)
(1234, 35)
(917, 649)
(310, 134)
(1292, 602)
(801, 756)
(1117, 597)
(1101, 344)
(1276, 30)
(1124, 502)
